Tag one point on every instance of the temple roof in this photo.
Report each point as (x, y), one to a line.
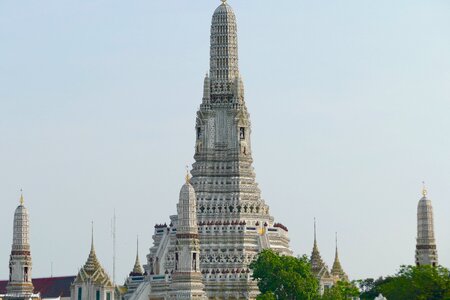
(51, 287)
(337, 270)
(318, 267)
(92, 270)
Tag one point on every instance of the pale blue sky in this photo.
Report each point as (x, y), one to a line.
(350, 104)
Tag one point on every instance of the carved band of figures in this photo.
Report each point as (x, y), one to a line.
(15, 252)
(187, 236)
(426, 247)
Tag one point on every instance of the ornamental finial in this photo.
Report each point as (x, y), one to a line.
(424, 189)
(137, 246)
(188, 176)
(315, 229)
(92, 236)
(336, 237)
(224, 1)
(21, 197)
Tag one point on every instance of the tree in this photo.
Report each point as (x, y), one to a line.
(342, 290)
(266, 296)
(412, 283)
(418, 283)
(370, 288)
(284, 277)
(366, 285)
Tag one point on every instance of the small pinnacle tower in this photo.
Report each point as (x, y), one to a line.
(426, 253)
(336, 271)
(19, 284)
(187, 277)
(137, 269)
(136, 276)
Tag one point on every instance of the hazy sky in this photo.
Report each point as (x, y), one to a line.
(349, 100)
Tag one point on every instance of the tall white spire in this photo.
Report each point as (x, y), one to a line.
(224, 45)
(426, 252)
(187, 278)
(230, 211)
(20, 264)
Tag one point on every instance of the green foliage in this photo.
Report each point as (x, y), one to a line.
(370, 287)
(418, 283)
(266, 296)
(412, 283)
(342, 290)
(284, 277)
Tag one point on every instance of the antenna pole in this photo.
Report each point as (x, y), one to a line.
(113, 231)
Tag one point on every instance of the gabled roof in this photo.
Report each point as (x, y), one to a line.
(318, 267)
(337, 271)
(93, 271)
(51, 287)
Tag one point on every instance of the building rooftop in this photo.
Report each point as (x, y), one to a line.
(50, 287)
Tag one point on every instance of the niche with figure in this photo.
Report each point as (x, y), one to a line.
(242, 133)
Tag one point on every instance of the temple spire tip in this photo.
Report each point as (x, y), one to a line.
(424, 189)
(336, 241)
(188, 175)
(137, 246)
(315, 230)
(21, 197)
(92, 236)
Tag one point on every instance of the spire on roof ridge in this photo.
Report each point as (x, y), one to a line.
(337, 271)
(92, 237)
(336, 245)
(137, 268)
(336, 263)
(92, 260)
(315, 238)
(92, 269)
(318, 266)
